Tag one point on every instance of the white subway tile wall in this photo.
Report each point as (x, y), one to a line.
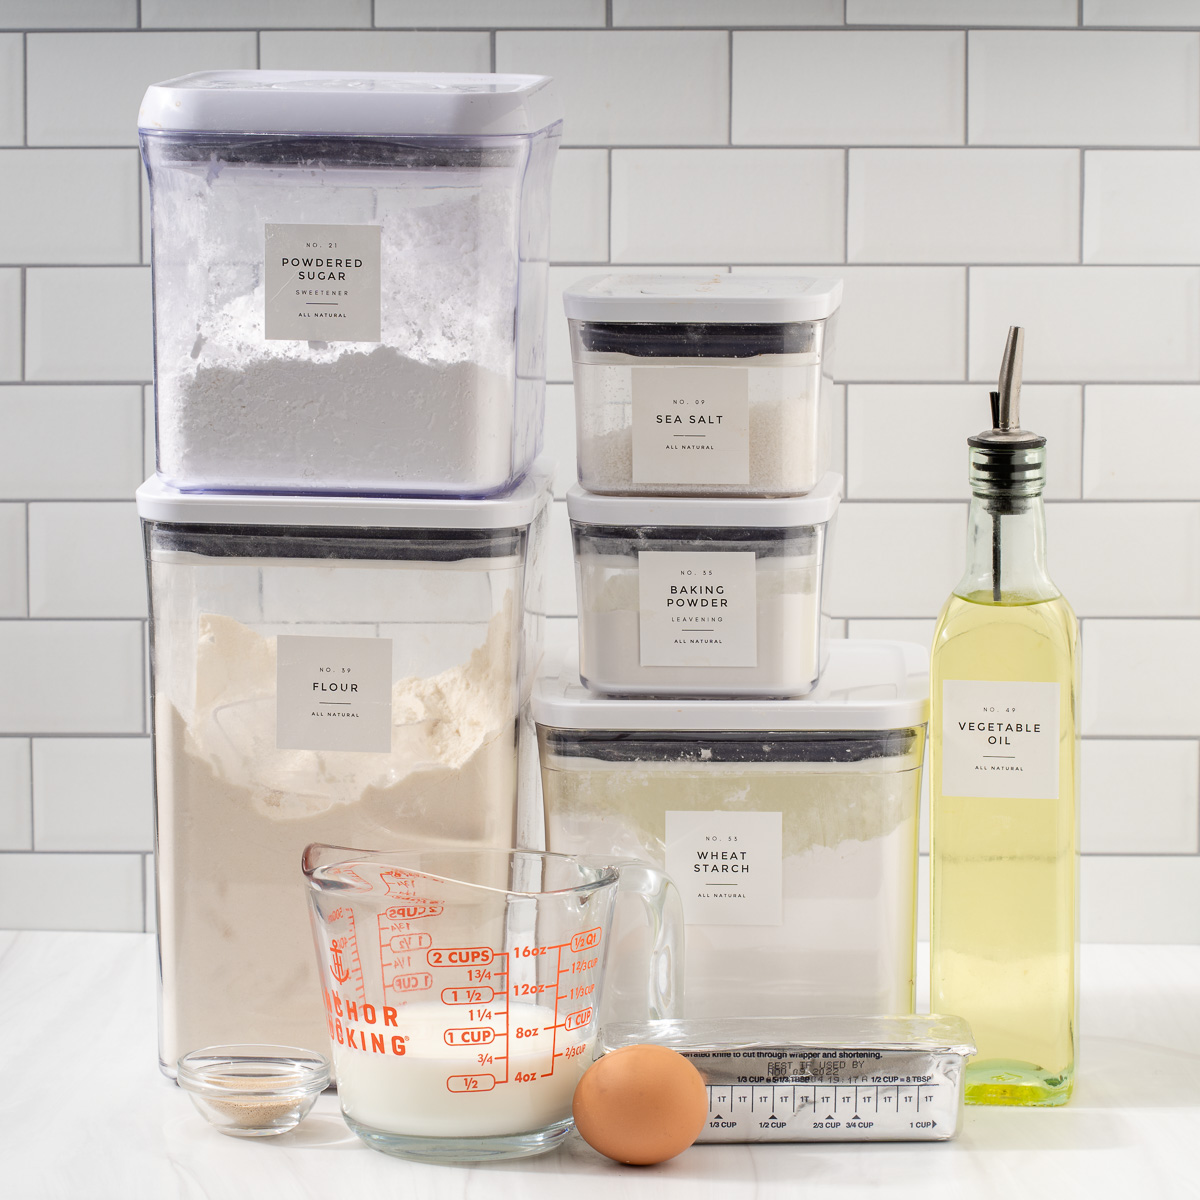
(962, 164)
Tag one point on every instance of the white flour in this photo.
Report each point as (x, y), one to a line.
(235, 814)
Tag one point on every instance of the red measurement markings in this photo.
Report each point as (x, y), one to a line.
(478, 1036)
(468, 995)
(577, 1020)
(406, 943)
(460, 956)
(344, 962)
(470, 1083)
(588, 940)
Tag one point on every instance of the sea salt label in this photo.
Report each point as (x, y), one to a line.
(728, 866)
(321, 283)
(698, 608)
(1000, 739)
(333, 693)
(691, 425)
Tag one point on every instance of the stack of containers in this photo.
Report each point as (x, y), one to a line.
(708, 726)
(343, 536)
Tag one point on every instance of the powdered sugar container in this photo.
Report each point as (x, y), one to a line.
(790, 827)
(702, 385)
(343, 670)
(349, 279)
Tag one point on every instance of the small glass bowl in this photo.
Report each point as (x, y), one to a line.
(253, 1091)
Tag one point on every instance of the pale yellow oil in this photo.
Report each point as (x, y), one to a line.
(1003, 928)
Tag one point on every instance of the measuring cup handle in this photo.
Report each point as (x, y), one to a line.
(661, 898)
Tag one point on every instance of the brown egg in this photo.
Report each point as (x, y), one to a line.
(641, 1104)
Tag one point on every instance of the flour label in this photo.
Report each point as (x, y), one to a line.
(321, 283)
(1000, 739)
(728, 866)
(697, 608)
(691, 425)
(333, 693)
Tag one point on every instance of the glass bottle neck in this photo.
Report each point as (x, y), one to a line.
(1006, 551)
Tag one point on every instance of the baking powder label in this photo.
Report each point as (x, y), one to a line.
(698, 608)
(333, 693)
(728, 866)
(691, 425)
(1000, 739)
(321, 283)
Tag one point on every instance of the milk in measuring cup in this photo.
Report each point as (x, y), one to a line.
(440, 1090)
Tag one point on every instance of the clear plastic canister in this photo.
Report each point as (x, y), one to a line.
(350, 276)
(702, 385)
(676, 599)
(357, 684)
(794, 846)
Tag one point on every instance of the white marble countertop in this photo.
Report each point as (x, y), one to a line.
(85, 1113)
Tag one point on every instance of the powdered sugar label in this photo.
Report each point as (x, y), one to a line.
(1000, 739)
(322, 283)
(698, 608)
(691, 425)
(728, 866)
(333, 693)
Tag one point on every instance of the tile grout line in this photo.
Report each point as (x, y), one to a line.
(1083, 446)
(729, 90)
(31, 808)
(966, 87)
(25, 89)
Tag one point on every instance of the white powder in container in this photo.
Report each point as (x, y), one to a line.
(845, 938)
(701, 596)
(235, 813)
(788, 437)
(786, 656)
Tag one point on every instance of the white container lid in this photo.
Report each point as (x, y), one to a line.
(703, 299)
(711, 512)
(351, 103)
(158, 501)
(866, 684)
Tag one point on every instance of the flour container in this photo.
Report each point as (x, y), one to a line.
(350, 671)
(702, 385)
(349, 279)
(790, 827)
(701, 596)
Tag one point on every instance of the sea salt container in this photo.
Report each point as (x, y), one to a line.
(701, 597)
(702, 385)
(348, 671)
(349, 279)
(790, 827)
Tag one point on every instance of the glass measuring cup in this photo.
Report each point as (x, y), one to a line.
(462, 989)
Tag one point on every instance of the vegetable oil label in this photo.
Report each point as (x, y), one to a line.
(321, 283)
(691, 425)
(1000, 739)
(333, 693)
(697, 608)
(728, 866)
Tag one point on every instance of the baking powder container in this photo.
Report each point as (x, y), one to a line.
(701, 385)
(701, 596)
(350, 276)
(350, 671)
(790, 827)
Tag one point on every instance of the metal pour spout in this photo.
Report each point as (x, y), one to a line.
(1006, 403)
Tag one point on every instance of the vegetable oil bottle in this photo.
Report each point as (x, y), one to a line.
(1004, 767)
